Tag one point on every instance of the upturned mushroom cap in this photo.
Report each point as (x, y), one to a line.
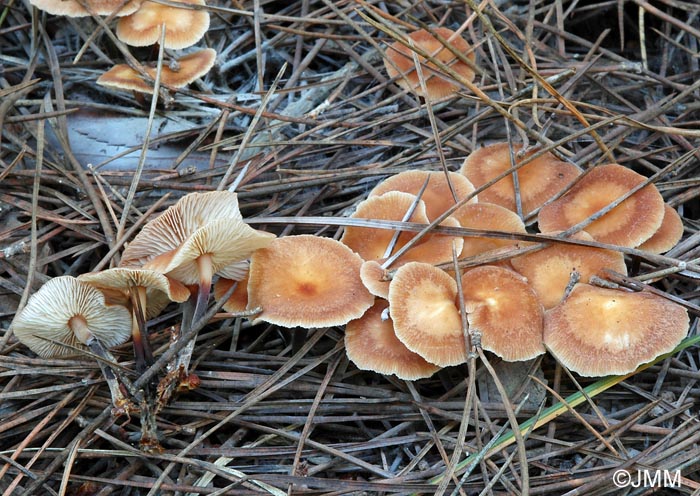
(160, 289)
(629, 224)
(183, 26)
(549, 270)
(437, 195)
(426, 318)
(53, 312)
(505, 309)
(307, 281)
(371, 243)
(539, 180)
(487, 216)
(189, 68)
(597, 332)
(374, 278)
(71, 8)
(199, 223)
(371, 344)
(400, 57)
(668, 235)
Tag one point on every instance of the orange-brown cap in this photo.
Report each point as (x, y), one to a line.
(71, 8)
(426, 318)
(668, 234)
(597, 332)
(189, 68)
(371, 344)
(487, 216)
(183, 26)
(307, 281)
(374, 278)
(505, 310)
(629, 224)
(399, 56)
(549, 270)
(238, 301)
(539, 180)
(437, 195)
(371, 243)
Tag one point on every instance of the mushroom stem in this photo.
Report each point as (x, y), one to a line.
(121, 403)
(139, 333)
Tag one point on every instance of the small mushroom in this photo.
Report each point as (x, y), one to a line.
(399, 62)
(597, 331)
(549, 270)
(374, 278)
(184, 26)
(667, 235)
(538, 180)
(371, 344)
(425, 315)
(504, 309)
(437, 195)
(307, 281)
(190, 68)
(630, 223)
(66, 313)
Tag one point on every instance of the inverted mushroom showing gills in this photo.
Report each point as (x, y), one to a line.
(66, 311)
(307, 281)
(399, 62)
(598, 332)
(629, 224)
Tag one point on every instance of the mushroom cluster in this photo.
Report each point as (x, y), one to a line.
(139, 24)
(526, 297)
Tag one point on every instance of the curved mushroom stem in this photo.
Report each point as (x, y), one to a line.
(139, 333)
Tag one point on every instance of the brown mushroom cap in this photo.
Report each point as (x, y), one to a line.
(371, 243)
(598, 332)
(371, 344)
(190, 67)
(51, 314)
(629, 224)
(71, 8)
(307, 281)
(438, 86)
(437, 195)
(668, 235)
(487, 216)
(374, 278)
(549, 270)
(539, 180)
(505, 309)
(426, 319)
(238, 302)
(183, 26)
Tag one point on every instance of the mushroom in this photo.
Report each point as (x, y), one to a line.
(667, 235)
(73, 8)
(371, 243)
(505, 310)
(437, 196)
(629, 224)
(184, 26)
(238, 301)
(549, 270)
(597, 331)
(307, 281)
(538, 180)
(148, 292)
(426, 318)
(67, 313)
(371, 344)
(399, 62)
(487, 216)
(375, 279)
(189, 68)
